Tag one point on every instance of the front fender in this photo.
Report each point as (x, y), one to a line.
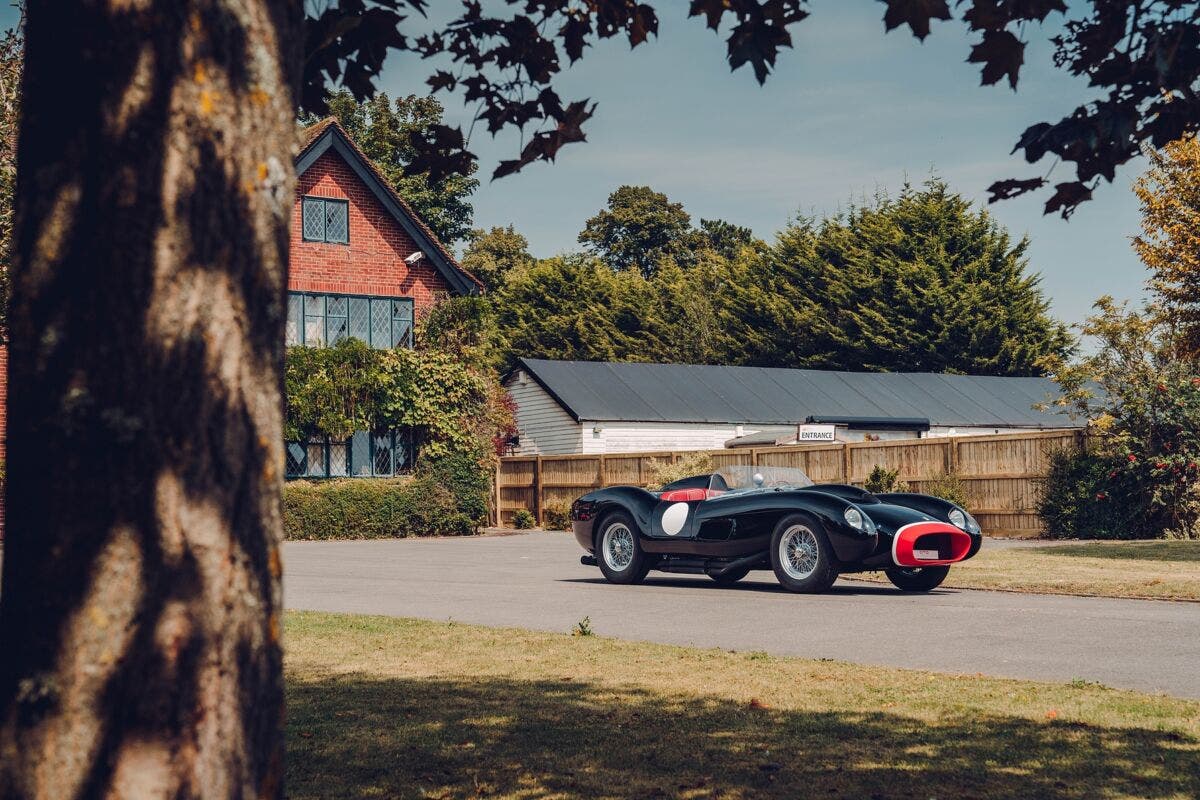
(935, 507)
(849, 543)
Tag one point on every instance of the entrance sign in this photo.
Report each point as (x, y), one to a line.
(815, 433)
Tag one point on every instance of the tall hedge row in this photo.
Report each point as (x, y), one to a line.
(357, 508)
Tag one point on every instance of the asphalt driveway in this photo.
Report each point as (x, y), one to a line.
(535, 580)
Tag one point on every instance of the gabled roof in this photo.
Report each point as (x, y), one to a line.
(622, 392)
(329, 134)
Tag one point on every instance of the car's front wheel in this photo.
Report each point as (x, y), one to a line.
(618, 551)
(917, 579)
(801, 555)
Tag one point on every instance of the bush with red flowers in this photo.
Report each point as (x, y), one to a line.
(1142, 403)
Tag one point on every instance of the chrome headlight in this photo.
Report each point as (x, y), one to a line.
(854, 518)
(961, 519)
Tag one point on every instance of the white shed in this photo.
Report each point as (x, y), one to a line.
(605, 407)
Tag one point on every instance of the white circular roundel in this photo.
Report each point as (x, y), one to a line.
(674, 518)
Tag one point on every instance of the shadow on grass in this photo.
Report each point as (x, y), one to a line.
(1185, 550)
(358, 736)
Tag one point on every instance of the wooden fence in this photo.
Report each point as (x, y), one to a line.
(1002, 473)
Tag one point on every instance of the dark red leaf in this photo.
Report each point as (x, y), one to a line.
(1067, 197)
(1001, 54)
(916, 14)
(1013, 187)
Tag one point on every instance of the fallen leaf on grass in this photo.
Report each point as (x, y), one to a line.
(1052, 714)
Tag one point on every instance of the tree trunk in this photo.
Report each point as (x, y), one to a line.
(139, 620)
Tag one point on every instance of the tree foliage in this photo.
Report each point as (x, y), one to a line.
(1170, 242)
(492, 254)
(386, 131)
(1142, 403)
(347, 387)
(639, 228)
(920, 282)
(507, 59)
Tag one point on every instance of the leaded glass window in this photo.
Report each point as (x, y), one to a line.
(336, 324)
(314, 319)
(325, 219)
(380, 454)
(295, 311)
(318, 319)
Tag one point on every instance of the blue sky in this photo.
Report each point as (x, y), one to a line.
(848, 111)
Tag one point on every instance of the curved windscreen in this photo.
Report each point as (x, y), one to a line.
(745, 477)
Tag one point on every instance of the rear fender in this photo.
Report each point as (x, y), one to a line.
(594, 506)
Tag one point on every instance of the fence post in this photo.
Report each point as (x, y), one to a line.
(845, 462)
(953, 453)
(537, 490)
(601, 474)
(496, 493)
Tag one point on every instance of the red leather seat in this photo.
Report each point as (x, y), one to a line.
(689, 495)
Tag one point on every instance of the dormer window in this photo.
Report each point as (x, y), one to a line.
(326, 219)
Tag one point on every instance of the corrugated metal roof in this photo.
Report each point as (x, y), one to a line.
(608, 391)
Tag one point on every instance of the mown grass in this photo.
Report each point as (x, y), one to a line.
(381, 707)
(1161, 570)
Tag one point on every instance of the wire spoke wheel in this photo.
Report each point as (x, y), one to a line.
(618, 546)
(798, 552)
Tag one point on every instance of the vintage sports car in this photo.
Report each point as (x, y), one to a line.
(742, 518)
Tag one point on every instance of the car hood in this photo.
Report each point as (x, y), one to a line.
(889, 518)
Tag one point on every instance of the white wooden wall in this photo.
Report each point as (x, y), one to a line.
(544, 427)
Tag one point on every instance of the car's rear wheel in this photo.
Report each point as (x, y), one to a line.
(917, 579)
(801, 555)
(618, 551)
(731, 577)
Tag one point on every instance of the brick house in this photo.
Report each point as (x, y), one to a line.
(363, 264)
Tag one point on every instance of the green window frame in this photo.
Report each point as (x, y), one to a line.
(325, 219)
(316, 319)
(377, 454)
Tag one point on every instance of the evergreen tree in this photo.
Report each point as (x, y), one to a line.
(385, 131)
(922, 282)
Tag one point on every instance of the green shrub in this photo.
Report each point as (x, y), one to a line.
(523, 519)
(883, 479)
(557, 517)
(467, 478)
(660, 473)
(1075, 499)
(361, 508)
(948, 486)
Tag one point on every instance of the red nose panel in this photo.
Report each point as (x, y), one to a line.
(688, 495)
(929, 544)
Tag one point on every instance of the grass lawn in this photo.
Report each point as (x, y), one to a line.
(1166, 570)
(386, 708)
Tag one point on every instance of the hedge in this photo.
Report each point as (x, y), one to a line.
(363, 508)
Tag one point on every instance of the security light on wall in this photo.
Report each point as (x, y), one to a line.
(414, 258)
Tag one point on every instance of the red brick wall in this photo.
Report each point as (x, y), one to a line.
(373, 262)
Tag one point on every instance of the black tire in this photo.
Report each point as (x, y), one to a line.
(730, 578)
(620, 565)
(804, 536)
(917, 579)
